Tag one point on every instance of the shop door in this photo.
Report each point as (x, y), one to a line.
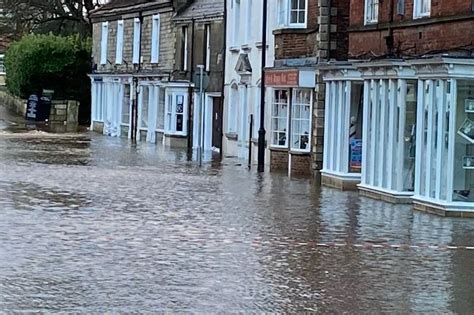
(217, 123)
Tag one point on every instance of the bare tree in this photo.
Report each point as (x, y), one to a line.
(65, 17)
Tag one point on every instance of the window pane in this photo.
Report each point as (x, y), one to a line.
(161, 110)
(126, 105)
(145, 100)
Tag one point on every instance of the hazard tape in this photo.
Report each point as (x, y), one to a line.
(367, 245)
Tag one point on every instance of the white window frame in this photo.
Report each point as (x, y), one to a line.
(236, 17)
(284, 14)
(273, 116)
(136, 40)
(170, 109)
(185, 48)
(418, 7)
(155, 39)
(119, 45)
(371, 11)
(207, 30)
(122, 103)
(104, 42)
(293, 104)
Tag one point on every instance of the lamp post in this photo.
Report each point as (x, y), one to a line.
(261, 131)
(200, 124)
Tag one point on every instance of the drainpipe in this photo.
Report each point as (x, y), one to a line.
(191, 94)
(261, 131)
(221, 111)
(389, 39)
(135, 82)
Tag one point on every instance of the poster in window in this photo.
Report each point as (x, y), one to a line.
(467, 130)
(356, 156)
(468, 162)
(469, 106)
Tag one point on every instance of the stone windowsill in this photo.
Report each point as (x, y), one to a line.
(293, 30)
(234, 49)
(232, 136)
(292, 152)
(259, 45)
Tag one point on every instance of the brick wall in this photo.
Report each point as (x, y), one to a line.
(167, 38)
(450, 26)
(300, 163)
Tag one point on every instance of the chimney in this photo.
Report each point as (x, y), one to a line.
(181, 4)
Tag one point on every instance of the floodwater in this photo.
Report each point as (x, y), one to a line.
(89, 224)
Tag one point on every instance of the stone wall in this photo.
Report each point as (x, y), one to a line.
(64, 112)
(300, 163)
(13, 103)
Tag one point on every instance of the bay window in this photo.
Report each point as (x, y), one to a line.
(371, 11)
(292, 13)
(298, 101)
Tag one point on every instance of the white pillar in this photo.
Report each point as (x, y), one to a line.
(365, 132)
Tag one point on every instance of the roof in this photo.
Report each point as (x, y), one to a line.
(117, 7)
(202, 9)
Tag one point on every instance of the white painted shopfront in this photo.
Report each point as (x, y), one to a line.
(417, 131)
(162, 109)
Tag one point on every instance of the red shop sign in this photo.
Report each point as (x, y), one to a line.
(286, 78)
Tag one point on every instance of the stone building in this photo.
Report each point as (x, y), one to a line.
(400, 113)
(137, 82)
(301, 34)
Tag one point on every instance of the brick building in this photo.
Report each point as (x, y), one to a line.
(307, 33)
(137, 83)
(301, 34)
(400, 111)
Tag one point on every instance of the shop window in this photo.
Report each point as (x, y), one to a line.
(292, 13)
(126, 105)
(175, 113)
(160, 119)
(371, 11)
(280, 106)
(421, 8)
(409, 135)
(233, 102)
(463, 183)
(144, 108)
(301, 120)
(355, 127)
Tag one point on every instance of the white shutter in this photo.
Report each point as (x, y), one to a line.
(103, 43)
(136, 40)
(119, 48)
(155, 39)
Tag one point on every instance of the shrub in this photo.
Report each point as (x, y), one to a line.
(38, 62)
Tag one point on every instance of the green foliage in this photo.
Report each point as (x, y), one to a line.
(38, 62)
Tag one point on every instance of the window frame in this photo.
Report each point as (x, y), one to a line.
(418, 6)
(155, 38)
(104, 40)
(184, 48)
(273, 117)
(136, 40)
(207, 47)
(291, 123)
(368, 20)
(284, 11)
(119, 43)
(170, 109)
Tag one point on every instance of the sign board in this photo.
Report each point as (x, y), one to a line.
(356, 156)
(282, 78)
(38, 108)
(32, 107)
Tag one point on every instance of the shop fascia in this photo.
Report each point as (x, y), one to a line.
(291, 108)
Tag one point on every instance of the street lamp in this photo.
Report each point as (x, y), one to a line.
(261, 131)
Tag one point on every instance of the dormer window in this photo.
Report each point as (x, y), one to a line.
(292, 13)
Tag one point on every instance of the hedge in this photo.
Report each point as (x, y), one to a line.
(38, 62)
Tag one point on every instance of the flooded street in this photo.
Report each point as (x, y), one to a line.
(89, 224)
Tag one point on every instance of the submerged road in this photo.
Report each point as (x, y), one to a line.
(89, 224)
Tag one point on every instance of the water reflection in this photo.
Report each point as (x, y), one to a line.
(90, 224)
